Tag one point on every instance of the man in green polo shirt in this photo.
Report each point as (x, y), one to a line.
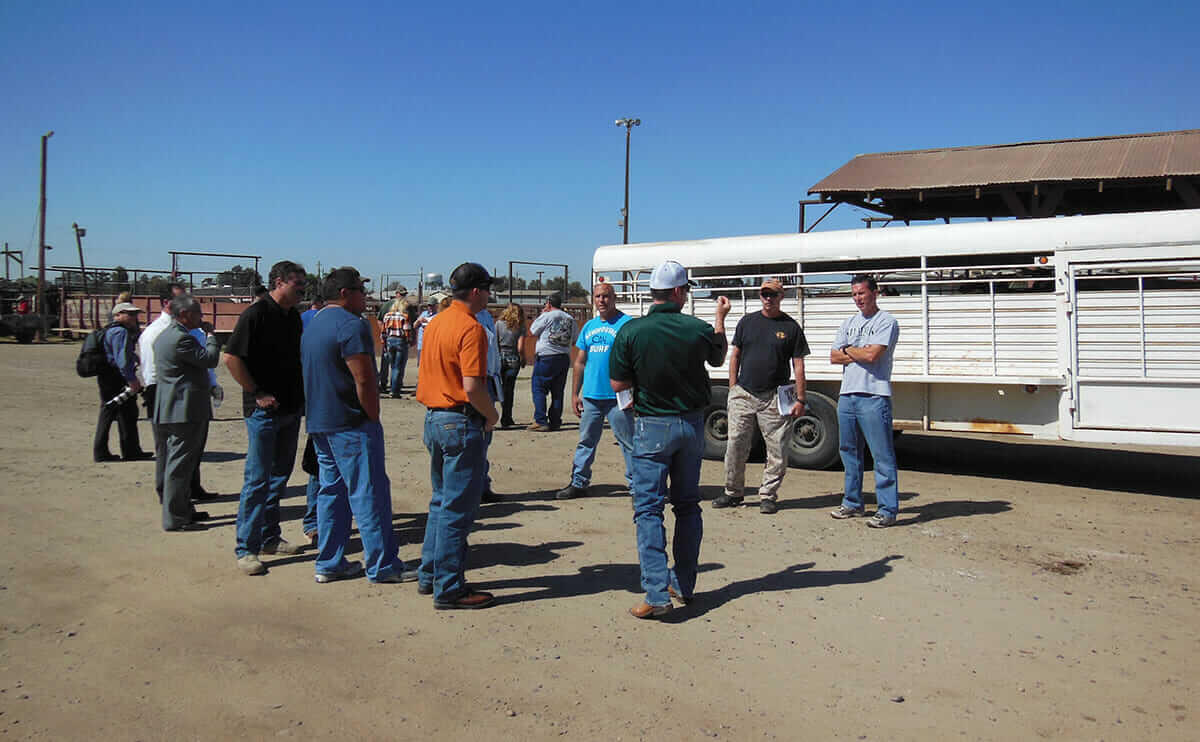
(660, 358)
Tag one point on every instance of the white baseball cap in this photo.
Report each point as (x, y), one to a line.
(126, 306)
(669, 275)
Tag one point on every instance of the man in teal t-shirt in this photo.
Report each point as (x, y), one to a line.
(592, 396)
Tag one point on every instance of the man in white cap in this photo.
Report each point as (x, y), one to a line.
(660, 358)
(119, 372)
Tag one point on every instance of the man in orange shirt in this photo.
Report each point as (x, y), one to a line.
(453, 386)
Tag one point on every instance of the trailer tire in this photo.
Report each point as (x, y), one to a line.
(716, 429)
(811, 440)
(716, 424)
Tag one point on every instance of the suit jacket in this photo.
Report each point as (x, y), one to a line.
(181, 372)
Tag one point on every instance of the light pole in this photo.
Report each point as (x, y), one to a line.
(80, 232)
(628, 123)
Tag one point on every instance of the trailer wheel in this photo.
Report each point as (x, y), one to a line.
(716, 429)
(811, 441)
(716, 424)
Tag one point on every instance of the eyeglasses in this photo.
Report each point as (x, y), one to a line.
(769, 294)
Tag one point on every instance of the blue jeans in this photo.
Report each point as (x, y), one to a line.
(384, 361)
(397, 354)
(591, 426)
(667, 446)
(270, 456)
(549, 376)
(354, 481)
(310, 504)
(456, 466)
(867, 418)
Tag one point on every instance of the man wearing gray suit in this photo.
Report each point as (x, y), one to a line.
(182, 410)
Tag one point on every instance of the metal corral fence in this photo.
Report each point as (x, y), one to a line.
(82, 314)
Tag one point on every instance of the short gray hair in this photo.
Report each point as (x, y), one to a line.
(183, 303)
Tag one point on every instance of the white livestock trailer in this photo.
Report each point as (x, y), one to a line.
(1079, 328)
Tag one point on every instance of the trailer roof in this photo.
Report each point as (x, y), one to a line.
(1012, 235)
(1108, 174)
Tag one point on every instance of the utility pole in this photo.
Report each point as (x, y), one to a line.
(41, 282)
(17, 255)
(628, 123)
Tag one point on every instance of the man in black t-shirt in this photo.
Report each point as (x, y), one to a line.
(263, 356)
(768, 346)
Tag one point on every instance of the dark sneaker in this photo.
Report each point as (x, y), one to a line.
(404, 574)
(725, 501)
(424, 588)
(470, 600)
(880, 520)
(841, 512)
(570, 492)
(768, 507)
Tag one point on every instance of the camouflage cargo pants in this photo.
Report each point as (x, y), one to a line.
(747, 411)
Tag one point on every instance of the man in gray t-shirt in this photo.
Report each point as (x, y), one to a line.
(554, 330)
(864, 347)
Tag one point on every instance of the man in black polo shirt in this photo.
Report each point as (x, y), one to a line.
(661, 357)
(768, 346)
(263, 356)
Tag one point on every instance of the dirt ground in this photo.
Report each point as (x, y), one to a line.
(1028, 590)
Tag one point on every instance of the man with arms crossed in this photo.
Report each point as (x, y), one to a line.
(263, 356)
(661, 357)
(453, 386)
(768, 346)
(341, 398)
(592, 396)
(864, 346)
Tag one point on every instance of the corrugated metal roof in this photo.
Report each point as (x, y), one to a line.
(1174, 153)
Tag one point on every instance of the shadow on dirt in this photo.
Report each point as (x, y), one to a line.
(1163, 474)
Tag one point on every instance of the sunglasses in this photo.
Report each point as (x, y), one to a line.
(769, 294)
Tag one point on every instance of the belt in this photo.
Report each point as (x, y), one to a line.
(462, 409)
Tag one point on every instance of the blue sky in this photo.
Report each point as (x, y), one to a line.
(390, 136)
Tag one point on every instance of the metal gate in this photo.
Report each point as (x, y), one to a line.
(1135, 345)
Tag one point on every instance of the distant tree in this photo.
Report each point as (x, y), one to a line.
(239, 277)
(120, 278)
(574, 289)
(156, 286)
(312, 286)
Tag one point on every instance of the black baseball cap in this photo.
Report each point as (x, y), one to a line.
(470, 276)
